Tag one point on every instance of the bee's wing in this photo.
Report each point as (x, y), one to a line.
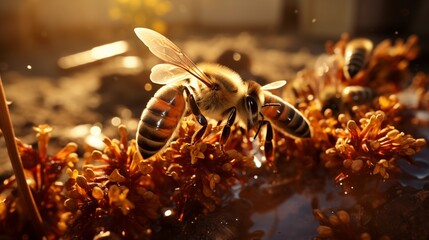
(165, 73)
(166, 50)
(274, 85)
(326, 69)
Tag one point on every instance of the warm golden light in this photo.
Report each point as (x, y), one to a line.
(116, 121)
(257, 162)
(131, 62)
(148, 87)
(93, 55)
(168, 213)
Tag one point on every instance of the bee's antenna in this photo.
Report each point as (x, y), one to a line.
(271, 105)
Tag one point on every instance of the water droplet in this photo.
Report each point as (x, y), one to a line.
(296, 11)
(168, 213)
(313, 20)
(115, 121)
(396, 32)
(257, 162)
(95, 130)
(148, 87)
(236, 57)
(29, 67)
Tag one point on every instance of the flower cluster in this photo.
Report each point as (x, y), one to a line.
(373, 147)
(388, 66)
(43, 172)
(330, 225)
(359, 141)
(340, 225)
(201, 173)
(119, 185)
(111, 193)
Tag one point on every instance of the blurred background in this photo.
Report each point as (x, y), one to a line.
(78, 66)
(55, 28)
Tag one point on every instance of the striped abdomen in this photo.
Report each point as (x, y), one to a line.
(357, 95)
(356, 56)
(160, 119)
(286, 118)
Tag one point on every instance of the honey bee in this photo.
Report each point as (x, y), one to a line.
(357, 95)
(208, 90)
(347, 98)
(356, 56)
(332, 93)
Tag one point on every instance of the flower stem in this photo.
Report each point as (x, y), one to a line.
(24, 189)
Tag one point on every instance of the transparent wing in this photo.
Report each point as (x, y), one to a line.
(274, 85)
(165, 73)
(326, 69)
(167, 51)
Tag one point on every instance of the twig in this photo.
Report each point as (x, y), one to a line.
(9, 136)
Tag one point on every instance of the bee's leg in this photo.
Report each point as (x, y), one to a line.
(268, 146)
(261, 122)
(227, 128)
(198, 115)
(295, 93)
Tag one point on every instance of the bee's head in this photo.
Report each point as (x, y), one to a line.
(332, 101)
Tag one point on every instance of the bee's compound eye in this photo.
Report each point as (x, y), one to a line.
(252, 105)
(215, 87)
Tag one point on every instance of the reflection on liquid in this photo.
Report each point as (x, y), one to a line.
(91, 134)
